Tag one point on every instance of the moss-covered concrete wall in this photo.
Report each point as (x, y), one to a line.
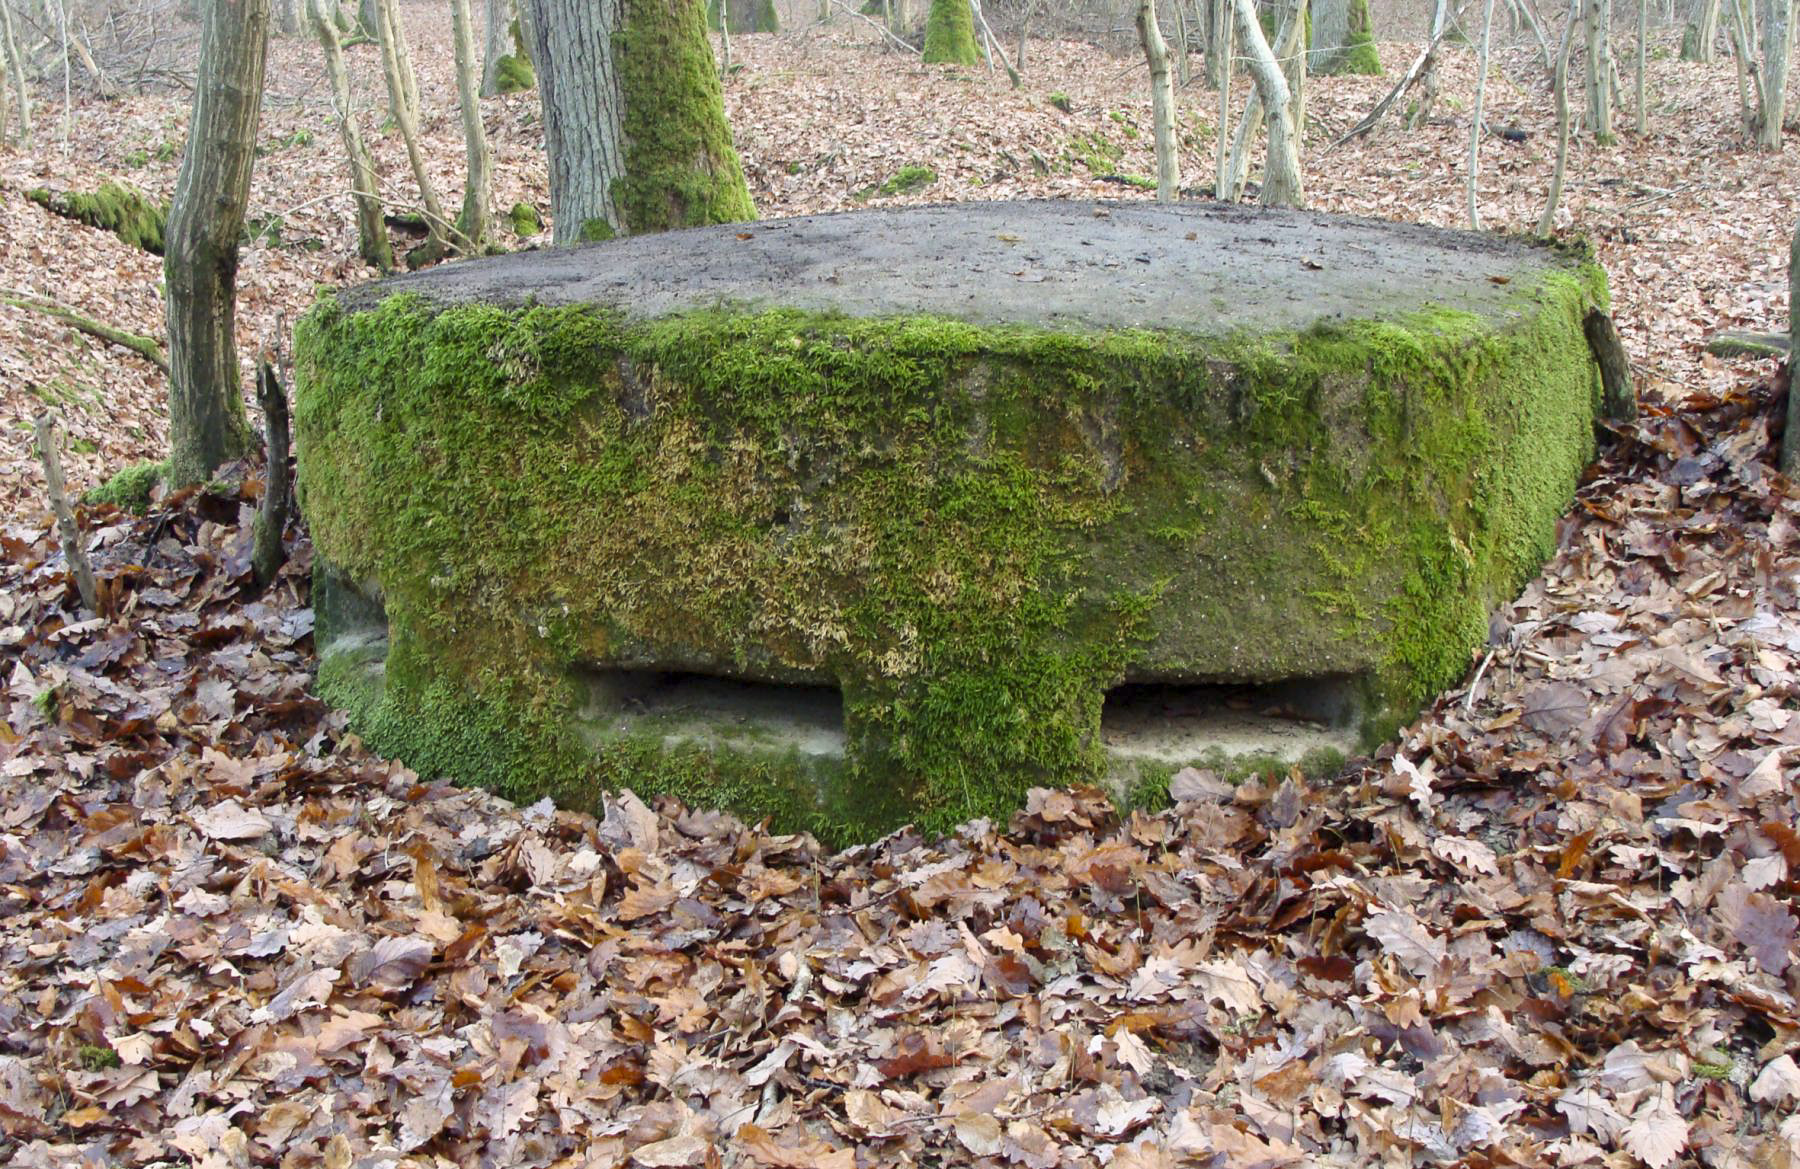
(973, 529)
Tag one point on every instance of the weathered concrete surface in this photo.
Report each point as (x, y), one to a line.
(1048, 263)
(951, 476)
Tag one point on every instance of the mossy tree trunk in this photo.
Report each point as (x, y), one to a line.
(473, 223)
(206, 217)
(1698, 39)
(745, 15)
(950, 34)
(506, 56)
(1343, 38)
(1162, 102)
(634, 120)
(371, 233)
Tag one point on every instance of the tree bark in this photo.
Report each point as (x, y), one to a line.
(67, 530)
(1283, 183)
(16, 66)
(1162, 103)
(474, 221)
(1599, 70)
(1618, 398)
(950, 34)
(634, 120)
(1559, 89)
(267, 552)
(496, 39)
(403, 102)
(1220, 49)
(1481, 72)
(206, 217)
(1343, 38)
(1640, 111)
(1698, 39)
(371, 231)
(286, 17)
(1777, 36)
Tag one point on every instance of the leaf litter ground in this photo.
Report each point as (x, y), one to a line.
(1552, 924)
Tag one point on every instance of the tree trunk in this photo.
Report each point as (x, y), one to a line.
(1698, 39)
(1599, 70)
(1560, 91)
(1777, 36)
(1790, 440)
(744, 15)
(950, 34)
(1481, 72)
(371, 231)
(1343, 38)
(1162, 103)
(1641, 112)
(403, 102)
(1283, 184)
(1292, 51)
(473, 223)
(1220, 48)
(206, 216)
(496, 39)
(1220, 44)
(634, 121)
(286, 17)
(16, 65)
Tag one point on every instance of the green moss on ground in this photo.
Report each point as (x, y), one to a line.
(950, 34)
(125, 211)
(904, 181)
(974, 530)
(681, 169)
(1095, 151)
(130, 488)
(525, 220)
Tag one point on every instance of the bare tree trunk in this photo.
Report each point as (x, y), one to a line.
(1560, 90)
(286, 17)
(1162, 103)
(1790, 440)
(16, 65)
(1777, 36)
(473, 223)
(1698, 39)
(206, 217)
(1481, 72)
(634, 121)
(1641, 111)
(1428, 78)
(1599, 70)
(403, 99)
(496, 39)
(1221, 47)
(1292, 51)
(267, 553)
(1283, 183)
(371, 233)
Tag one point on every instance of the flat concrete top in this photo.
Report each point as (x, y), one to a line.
(1203, 268)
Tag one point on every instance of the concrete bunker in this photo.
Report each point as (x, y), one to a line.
(861, 519)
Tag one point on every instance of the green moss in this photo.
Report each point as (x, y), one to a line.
(904, 181)
(513, 72)
(94, 1057)
(125, 211)
(681, 169)
(922, 510)
(595, 230)
(1095, 151)
(525, 220)
(130, 488)
(1359, 54)
(950, 34)
(1061, 101)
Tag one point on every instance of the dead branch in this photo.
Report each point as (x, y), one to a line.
(67, 530)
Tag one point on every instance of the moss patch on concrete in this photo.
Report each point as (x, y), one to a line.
(974, 531)
(125, 211)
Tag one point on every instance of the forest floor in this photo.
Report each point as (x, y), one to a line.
(1552, 923)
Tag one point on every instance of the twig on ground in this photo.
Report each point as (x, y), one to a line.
(67, 530)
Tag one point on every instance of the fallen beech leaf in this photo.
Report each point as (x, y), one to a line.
(978, 1132)
(1555, 709)
(391, 964)
(230, 820)
(1778, 1081)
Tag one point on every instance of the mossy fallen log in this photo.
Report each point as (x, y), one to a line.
(885, 516)
(127, 212)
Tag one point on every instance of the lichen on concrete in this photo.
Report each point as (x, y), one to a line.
(972, 529)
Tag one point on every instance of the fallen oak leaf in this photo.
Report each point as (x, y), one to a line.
(1406, 938)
